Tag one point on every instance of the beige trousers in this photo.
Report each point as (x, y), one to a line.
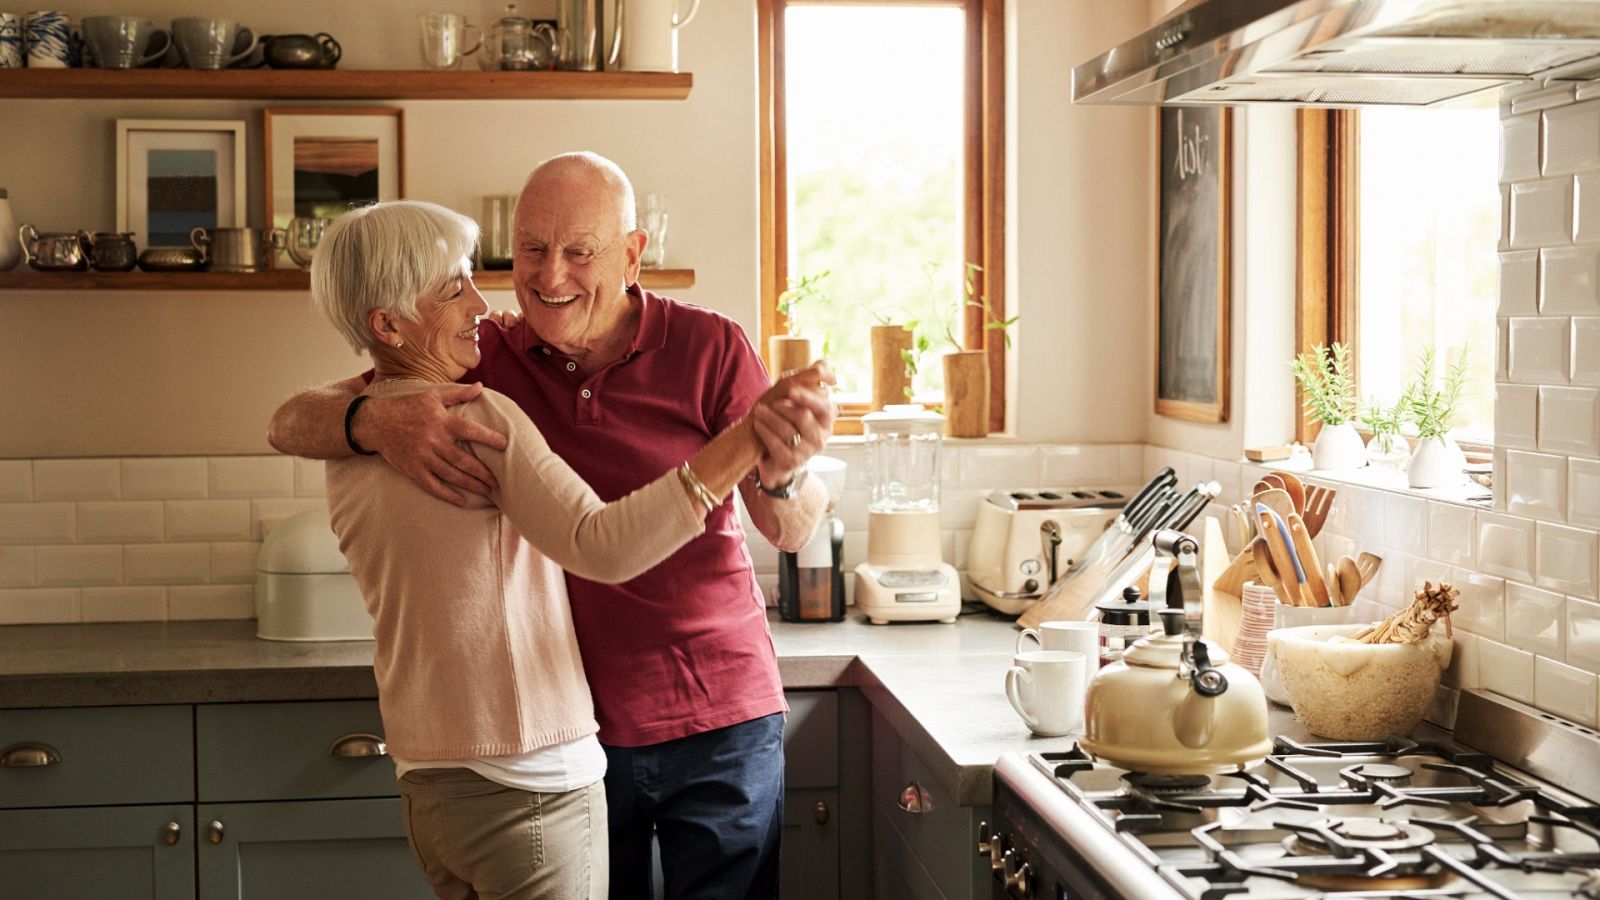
(478, 839)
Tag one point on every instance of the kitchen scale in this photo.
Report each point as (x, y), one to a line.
(905, 577)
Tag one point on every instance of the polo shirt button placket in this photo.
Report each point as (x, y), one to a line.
(588, 408)
(572, 367)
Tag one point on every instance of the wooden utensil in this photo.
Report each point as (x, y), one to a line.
(1308, 560)
(1319, 502)
(1233, 576)
(1335, 593)
(1295, 488)
(1367, 565)
(1277, 500)
(1261, 555)
(1349, 579)
(1282, 558)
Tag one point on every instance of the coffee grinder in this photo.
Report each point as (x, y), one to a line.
(905, 578)
(811, 580)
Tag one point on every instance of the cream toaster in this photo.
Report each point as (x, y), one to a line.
(1024, 539)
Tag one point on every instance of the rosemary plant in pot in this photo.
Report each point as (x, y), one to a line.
(966, 372)
(1387, 449)
(1437, 460)
(790, 350)
(1330, 398)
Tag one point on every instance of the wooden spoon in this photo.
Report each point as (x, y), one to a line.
(1309, 561)
(1282, 557)
(1367, 566)
(1295, 488)
(1335, 594)
(1262, 556)
(1349, 579)
(1277, 500)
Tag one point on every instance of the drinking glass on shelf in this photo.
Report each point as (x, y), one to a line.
(443, 37)
(653, 219)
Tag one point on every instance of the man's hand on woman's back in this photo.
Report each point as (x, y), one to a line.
(418, 435)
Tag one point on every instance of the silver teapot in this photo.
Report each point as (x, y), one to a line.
(52, 251)
(110, 251)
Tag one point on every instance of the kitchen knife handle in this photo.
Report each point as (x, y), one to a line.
(1137, 505)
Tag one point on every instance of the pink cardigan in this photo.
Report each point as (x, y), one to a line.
(475, 648)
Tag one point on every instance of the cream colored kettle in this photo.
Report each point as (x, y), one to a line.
(1174, 705)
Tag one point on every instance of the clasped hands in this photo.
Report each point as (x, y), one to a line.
(793, 421)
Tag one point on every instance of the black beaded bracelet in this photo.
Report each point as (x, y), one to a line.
(349, 417)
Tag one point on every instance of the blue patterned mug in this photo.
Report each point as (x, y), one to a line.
(49, 40)
(10, 41)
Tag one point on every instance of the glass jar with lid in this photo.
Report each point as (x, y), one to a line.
(1124, 618)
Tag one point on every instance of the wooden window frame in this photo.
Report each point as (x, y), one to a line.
(1328, 209)
(983, 182)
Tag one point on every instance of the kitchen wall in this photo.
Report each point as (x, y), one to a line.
(134, 474)
(1529, 567)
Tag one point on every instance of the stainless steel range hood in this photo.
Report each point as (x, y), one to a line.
(1344, 52)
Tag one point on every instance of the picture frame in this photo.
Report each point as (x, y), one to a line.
(176, 174)
(322, 160)
(1192, 263)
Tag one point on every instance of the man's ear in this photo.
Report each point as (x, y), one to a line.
(633, 245)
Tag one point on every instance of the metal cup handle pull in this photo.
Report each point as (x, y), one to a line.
(331, 51)
(359, 745)
(86, 239)
(161, 47)
(29, 755)
(275, 238)
(30, 245)
(255, 41)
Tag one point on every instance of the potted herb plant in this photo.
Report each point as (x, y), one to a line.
(892, 366)
(966, 372)
(1386, 449)
(1329, 394)
(1437, 460)
(791, 350)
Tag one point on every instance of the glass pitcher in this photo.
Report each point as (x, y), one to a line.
(903, 458)
(518, 44)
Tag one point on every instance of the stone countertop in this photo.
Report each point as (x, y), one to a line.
(938, 685)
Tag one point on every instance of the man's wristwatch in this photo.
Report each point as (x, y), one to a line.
(783, 491)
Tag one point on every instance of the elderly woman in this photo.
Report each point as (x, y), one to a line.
(484, 703)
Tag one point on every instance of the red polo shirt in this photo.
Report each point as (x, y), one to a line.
(685, 647)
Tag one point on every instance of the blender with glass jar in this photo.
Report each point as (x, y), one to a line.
(905, 578)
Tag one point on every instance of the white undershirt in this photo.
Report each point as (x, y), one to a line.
(555, 769)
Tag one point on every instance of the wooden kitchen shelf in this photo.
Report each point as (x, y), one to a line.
(335, 84)
(22, 279)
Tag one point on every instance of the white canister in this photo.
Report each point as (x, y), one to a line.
(650, 34)
(1286, 616)
(10, 243)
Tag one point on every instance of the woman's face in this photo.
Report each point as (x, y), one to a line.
(446, 329)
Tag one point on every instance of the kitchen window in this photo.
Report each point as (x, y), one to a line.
(1410, 204)
(881, 162)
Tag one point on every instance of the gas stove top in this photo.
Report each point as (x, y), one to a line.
(1398, 818)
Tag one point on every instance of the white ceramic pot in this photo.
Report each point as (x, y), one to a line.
(1436, 463)
(1338, 447)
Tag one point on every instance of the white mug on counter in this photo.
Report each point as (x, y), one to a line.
(1079, 637)
(1046, 688)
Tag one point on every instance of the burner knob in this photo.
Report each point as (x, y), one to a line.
(997, 853)
(1018, 876)
(983, 839)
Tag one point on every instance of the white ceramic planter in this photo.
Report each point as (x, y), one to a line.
(1338, 447)
(1436, 463)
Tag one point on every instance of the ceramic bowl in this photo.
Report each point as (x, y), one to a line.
(1350, 691)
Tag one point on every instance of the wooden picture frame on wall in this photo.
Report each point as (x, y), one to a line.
(1192, 273)
(321, 160)
(174, 175)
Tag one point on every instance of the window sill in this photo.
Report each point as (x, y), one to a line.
(1472, 495)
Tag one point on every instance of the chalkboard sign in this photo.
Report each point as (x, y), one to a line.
(1192, 300)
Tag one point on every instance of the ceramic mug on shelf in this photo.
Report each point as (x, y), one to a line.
(49, 40)
(123, 42)
(1046, 688)
(10, 41)
(206, 43)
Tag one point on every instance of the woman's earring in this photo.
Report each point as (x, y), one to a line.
(399, 343)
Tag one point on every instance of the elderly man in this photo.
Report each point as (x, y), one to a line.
(624, 384)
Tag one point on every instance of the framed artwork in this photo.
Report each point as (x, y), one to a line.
(323, 160)
(1192, 264)
(176, 174)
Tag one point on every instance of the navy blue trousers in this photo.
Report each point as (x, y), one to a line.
(715, 802)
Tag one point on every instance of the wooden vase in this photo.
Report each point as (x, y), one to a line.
(788, 353)
(890, 383)
(966, 393)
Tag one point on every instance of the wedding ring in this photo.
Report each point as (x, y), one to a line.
(794, 439)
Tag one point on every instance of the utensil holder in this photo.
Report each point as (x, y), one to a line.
(1258, 603)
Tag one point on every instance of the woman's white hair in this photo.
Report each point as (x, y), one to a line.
(386, 256)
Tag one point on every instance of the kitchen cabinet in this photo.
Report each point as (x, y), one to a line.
(262, 800)
(924, 843)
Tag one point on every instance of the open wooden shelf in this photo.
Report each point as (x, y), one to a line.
(335, 84)
(22, 279)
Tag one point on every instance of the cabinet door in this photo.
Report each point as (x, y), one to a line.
(109, 853)
(808, 858)
(309, 850)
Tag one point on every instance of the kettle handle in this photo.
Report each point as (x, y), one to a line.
(25, 240)
(694, 7)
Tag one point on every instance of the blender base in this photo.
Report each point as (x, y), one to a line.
(887, 594)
